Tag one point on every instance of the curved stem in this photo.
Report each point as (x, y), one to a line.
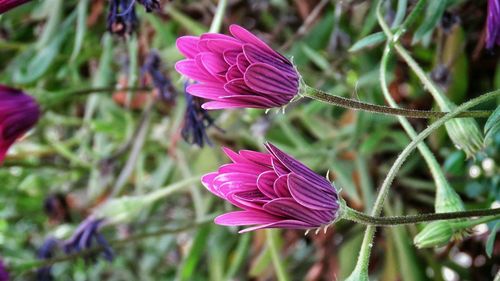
(218, 17)
(364, 255)
(351, 214)
(320, 95)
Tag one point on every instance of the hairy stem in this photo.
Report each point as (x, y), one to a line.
(351, 214)
(359, 105)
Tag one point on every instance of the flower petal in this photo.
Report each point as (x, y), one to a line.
(191, 69)
(288, 224)
(267, 79)
(310, 195)
(188, 46)
(256, 55)
(248, 217)
(212, 91)
(289, 208)
(265, 183)
(281, 186)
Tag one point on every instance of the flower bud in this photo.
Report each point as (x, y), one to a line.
(447, 200)
(435, 234)
(465, 134)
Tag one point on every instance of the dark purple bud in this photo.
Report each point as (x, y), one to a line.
(46, 251)
(56, 207)
(84, 237)
(122, 18)
(153, 67)
(150, 5)
(4, 275)
(493, 24)
(196, 121)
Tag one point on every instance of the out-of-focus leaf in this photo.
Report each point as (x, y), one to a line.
(81, 28)
(316, 58)
(188, 267)
(369, 41)
(455, 163)
(400, 13)
(492, 126)
(491, 239)
(347, 254)
(433, 14)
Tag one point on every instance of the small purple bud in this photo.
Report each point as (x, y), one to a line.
(493, 24)
(46, 251)
(153, 67)
(122, 18)
(4, 275)
(84, 237)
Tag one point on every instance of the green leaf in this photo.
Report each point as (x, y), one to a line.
(491, 239)
(434, 12)
(492, 126)
(81, 28)
(369, 41)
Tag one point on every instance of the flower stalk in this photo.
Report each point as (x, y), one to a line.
(359, 217)
(325, 97)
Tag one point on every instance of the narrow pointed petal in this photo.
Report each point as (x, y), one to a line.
(265, 183)
(310, 195)
(288, 208)
(287, 224)
(188, 46)
(245, 218)
(267, 79)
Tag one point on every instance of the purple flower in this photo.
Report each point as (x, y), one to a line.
(84, 236)
(18, 113)
(273, 190)
(196, 121)
(150, 5)
(238, 71)
(493, 24)
(46, 252)
(4, 275)
(6, 5)
(152, 67)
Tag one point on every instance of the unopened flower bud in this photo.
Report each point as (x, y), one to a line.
(435, 234)
(465, 134)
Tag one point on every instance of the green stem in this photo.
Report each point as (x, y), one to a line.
(351, 214)
(322, 96)
(218, 17)
(272, 243)
(364, 255)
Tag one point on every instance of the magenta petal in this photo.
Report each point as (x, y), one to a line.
(210, 91)
(253, 101)
(288, 208)
(214, 105)
(300, 169)
(256, 55)
(257, 157)
(235, 157)
(242, 62)
(250, 168)
(281, 186)
(207, 181)
(235, 177)
(245, 218)
(267, 79)
(218, 46)
(212, 75)
(247, 37)
(190, 69)
(230, 55)
(310, 195)
(218, 36)
(279, 168)
(214, 64)
(288, 224)
(233, 73)
(188, 46)
(265, 183)
(238, 87)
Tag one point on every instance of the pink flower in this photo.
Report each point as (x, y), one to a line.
(273, 190)
(18, 113)
(238, 71)
(6, 5)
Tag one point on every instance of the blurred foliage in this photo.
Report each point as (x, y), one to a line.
(88, 147)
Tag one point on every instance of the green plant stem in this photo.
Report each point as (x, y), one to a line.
(218, 17)
(118, 243)
(351, 214)
(322, 96)
(364, 255)
(272, 243)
